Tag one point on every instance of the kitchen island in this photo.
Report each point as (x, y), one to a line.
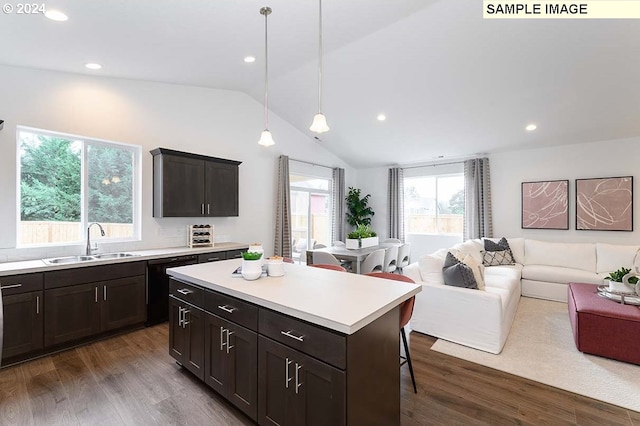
(314, 346)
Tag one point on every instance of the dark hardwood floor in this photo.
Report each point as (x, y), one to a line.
(130, 379)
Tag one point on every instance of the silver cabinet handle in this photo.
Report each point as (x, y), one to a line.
(222, 343)
(104, 293)
(184, 315)
(227, 309)
(202, 209)
(288, 334)
(7, 287)
(208, 208)
(184, 291)
(180, 320)
(229, 346)
(287, 379)
(298, 384)
(213, 259)
(96, 294)
(37, 305)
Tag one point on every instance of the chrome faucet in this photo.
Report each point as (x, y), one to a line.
(89, 249)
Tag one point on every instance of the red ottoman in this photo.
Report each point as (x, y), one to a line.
(603, 327)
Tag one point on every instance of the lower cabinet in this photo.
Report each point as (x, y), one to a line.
(186, 335)
(80, 311)
(231, 356)
(22, 323)
(296, 389)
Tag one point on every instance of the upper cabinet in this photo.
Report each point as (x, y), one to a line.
(192, 185)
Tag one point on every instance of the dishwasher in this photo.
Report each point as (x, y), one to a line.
(158, 287)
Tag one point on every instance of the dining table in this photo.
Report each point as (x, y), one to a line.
(355, 256)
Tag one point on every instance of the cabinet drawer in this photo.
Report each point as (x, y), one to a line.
(235, 254)
(212, 257)
(232, 309)
(187, 292)
(16, 284)
(323, 344)
(89, 274)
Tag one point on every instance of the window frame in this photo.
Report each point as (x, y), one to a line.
(311, 191)
(136, 150)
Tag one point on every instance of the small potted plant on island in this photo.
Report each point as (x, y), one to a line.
(622, 281)
(251, 265)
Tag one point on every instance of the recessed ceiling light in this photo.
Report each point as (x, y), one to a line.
(531, 127)
(382, 117)
(93, 66)
(56, 15)
(249, 59)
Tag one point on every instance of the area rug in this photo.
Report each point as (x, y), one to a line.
(540, 347)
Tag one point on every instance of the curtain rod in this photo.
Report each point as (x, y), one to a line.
(434, 165)
(308, 162)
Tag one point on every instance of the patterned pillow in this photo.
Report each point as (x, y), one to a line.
(457, 274)
(495, 254)
(496, 258)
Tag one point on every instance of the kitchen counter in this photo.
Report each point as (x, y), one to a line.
(339, 301)
(38, 265)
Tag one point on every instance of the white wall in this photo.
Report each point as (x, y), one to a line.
(211, 122)
(509, 170)
(598, 159)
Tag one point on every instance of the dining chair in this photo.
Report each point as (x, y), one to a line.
(373, 263)
(404, 256)
(320, 257)
(392, 240)
(328, 266)
(406, 310)
(390, 259)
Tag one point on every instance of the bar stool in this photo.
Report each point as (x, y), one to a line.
(331, 267)
(406, 310)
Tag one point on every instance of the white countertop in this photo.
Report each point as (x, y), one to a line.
(29, 266)
(340, 301)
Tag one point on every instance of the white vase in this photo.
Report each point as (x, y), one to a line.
(251, 269)
(621, 287)
(257, 248)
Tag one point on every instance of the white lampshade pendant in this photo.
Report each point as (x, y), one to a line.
(265, 137)
(319, 124)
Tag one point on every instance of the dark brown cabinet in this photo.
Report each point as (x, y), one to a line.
(231, 356)
(296, 389)
(186, 335)
(72, 313)
(123, 303)
(22, 304)
(192, 185)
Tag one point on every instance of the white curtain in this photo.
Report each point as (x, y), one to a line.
(396, 204)
(477, 199)
(338, 195)
(282, 244)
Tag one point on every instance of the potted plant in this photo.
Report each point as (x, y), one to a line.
(362, 237)
(359, 216)
(622, 281)
(251, 265)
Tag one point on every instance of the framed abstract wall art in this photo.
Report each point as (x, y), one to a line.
(604, 204)
(545, 204)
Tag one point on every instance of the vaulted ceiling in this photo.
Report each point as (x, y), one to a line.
(450, 83)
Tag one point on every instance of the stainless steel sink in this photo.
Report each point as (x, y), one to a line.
(69, 259)
(95, 257)
(113, 255)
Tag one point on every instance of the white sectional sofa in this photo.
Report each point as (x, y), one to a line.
(482, 318)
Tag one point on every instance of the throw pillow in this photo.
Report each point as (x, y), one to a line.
(497, 253)
(457, 274)
(497, 258)
(477, 269)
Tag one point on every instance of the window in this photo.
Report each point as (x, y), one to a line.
(434, 204)
(310, 211)
(66, 182)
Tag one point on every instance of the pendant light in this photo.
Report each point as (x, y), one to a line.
(265, 137)
(319, 124)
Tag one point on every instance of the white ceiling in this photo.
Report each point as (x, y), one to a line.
(450, 83)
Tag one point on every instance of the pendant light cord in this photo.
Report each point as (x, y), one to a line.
(266, 11)
(320, 57)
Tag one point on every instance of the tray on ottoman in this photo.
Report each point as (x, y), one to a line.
(603, 327)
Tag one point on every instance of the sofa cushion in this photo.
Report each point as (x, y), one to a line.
(431, 268)
(611, 257)
(567, 255)
(477, 269)
(497, 258)
(511, 271)
(457, 274)
(472, 247)
(556, 274)
(517, 248)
